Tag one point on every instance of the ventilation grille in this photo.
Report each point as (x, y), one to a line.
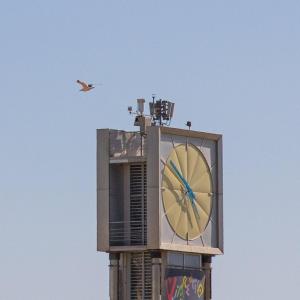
(138, 204)
(141, 276)
(128, 214)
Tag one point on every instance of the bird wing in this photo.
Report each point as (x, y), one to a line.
(83, 84)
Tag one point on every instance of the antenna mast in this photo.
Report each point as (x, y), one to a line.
(161, 113)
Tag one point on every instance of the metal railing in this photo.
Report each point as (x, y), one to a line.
(127, 233)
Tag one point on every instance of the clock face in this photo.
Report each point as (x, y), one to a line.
(187, 191)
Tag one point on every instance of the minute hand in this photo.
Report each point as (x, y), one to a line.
(190, 192)
(185, 183)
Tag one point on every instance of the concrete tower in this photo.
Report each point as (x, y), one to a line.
(159, 207)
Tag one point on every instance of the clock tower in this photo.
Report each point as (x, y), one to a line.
(159, 207)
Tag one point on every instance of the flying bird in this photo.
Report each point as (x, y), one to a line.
(85, 86)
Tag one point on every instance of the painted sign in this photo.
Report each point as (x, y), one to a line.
(183, 285)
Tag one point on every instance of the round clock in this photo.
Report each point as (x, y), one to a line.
(187, 191)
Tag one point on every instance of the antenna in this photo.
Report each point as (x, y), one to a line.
(161, 113)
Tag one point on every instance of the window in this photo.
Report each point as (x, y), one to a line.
(184, 260)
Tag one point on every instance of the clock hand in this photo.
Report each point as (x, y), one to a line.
(185, 183)
(190, 192)
(176, 174)
(195, 208)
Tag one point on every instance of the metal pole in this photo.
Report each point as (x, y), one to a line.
(114, 276)
(156, 275)
(206, 264)
(160, 121)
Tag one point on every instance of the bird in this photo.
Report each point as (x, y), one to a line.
(85, 86)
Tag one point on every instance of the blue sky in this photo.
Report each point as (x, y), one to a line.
(231, 67)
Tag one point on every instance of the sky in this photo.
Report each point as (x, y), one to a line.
(232, 67)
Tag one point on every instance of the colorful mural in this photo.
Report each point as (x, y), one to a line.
(183, 285)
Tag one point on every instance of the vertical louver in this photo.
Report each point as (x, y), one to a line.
(128, 205)
(141, 276)
(138, 205)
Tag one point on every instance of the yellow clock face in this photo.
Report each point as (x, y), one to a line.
(187, 191)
